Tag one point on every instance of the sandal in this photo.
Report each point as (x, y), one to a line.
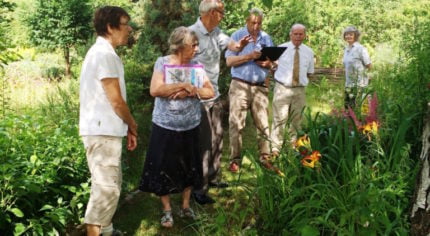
(167, 219)
(187, 212)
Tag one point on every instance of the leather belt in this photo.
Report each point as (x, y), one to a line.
(262, 84)
(299, 86)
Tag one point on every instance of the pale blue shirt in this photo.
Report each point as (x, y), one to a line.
(175, 114)
(355, 60)
(211, 44)
(250, 71)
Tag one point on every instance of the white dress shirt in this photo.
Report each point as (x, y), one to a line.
(284, 73)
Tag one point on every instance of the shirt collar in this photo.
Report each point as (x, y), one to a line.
(105, 42)
(294, 46)
(201, 27)
(353, 45)
(258, 35)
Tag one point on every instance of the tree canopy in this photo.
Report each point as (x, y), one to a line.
(60, 24)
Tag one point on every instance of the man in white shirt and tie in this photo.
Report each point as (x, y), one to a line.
(289, 96)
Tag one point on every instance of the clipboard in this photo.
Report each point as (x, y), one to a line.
(273, 53)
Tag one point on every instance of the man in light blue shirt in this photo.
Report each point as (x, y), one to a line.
(247, 89)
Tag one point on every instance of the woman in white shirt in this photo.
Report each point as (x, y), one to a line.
(356, 60)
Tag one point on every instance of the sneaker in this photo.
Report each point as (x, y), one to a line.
(234, 167)
(110, 231)
(187, 212)
(218, 184)
(202, 199)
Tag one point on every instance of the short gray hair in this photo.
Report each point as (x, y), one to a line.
(180, 37)
(256, 11)
(297, 25)
(207, 5)
(352, 29)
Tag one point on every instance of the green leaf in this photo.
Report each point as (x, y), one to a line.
(19, 229)
(33, 159)
(46, 207)
(309, 231)
(17, 212)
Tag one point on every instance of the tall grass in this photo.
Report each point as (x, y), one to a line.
(357, 189)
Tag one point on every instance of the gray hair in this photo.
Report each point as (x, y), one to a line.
(207, 5)
(297, 25)
(352, 29)
(180, 37)
(256, 11)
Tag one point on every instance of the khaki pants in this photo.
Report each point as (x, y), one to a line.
(211, 134)
(288, 104)
(104, 163)
(242, 97)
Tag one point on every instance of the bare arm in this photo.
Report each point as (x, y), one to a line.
(113, 93)
(239, 60)
(160, 89)
(207, 91)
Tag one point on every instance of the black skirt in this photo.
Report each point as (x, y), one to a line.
(172, 162)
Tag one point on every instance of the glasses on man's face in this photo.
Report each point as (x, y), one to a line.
(220, 12)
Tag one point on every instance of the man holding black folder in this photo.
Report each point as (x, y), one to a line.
(247, 89)
(295, 65)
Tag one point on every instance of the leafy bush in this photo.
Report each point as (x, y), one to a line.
(44, 175)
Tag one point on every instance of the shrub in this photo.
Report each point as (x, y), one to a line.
(44, 175)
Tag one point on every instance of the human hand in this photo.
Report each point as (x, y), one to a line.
(131, 141)
(265, 64)
(193, 92)
(244, 41)
(179, 95)
(255, 54)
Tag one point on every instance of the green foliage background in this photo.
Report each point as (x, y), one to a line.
(43, 169)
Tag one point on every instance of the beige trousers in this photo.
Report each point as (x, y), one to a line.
(104, 163)
(244, 97)
(288, 104)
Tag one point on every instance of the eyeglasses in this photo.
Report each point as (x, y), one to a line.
(194, 45)
(126, 24)
(220, 12)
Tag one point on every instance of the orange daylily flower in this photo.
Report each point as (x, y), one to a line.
(303, 145)
(303, 141)
(370, 128)
(311, 160)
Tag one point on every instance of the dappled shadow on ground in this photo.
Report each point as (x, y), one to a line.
(141, 214)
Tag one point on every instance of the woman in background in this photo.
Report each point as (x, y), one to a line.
(355, 60)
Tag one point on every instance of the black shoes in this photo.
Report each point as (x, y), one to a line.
(218, 185)
(202, 199)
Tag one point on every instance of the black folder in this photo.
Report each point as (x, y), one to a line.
(273, 53)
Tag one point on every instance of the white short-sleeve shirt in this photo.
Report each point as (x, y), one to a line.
(284, 73)
(97, 116)
(355, 59)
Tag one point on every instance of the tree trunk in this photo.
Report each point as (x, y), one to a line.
(420, 215)
(66, 51)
